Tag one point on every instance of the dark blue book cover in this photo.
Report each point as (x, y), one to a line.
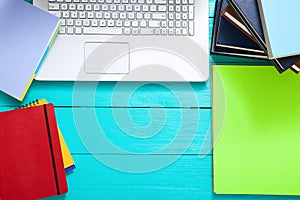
(225, 42)
(250, 12)
(230, 36)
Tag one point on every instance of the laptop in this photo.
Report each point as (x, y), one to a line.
(128, 40)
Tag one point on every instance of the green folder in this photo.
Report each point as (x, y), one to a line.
(256, 131)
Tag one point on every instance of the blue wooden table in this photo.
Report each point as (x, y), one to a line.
(136, 140)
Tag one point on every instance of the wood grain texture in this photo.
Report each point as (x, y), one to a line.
(178, 181)
(189, 177)
(107, 93)
(174, 130)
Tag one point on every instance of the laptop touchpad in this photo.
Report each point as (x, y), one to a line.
(106, 58)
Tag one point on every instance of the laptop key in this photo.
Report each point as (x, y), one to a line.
(102, 31)
(159, 16)
(127, 31)
(78, 30)
(191, 12)
(56, 13)
(191, 28)
(160, 1)
(154, 24)
(53, 6)
(132, 17)
(70, 30)
(146, 31)
(135, 31)
(62, 30)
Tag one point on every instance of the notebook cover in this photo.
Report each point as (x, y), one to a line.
(69, 164)
(232, 37)
(249, 13)
(225, 49)
(30, 154)
(28, 33)
(234, 19)
(280, 26)
(68, 161)
(256, 141)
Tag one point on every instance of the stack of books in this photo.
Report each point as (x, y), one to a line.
(255, 29)
(33, 155)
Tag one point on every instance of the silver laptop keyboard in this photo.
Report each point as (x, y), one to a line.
(125, 17)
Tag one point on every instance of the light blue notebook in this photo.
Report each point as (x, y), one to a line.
(280, 20)
(26, 34)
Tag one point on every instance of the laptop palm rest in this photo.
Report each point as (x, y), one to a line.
(106, 58)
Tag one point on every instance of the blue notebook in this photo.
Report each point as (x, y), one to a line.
(26, 34)
(280, 24)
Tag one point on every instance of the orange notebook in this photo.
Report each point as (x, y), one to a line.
(30, 154)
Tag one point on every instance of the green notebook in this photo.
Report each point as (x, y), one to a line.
(256, 127)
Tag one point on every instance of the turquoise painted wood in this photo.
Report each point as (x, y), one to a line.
(162, 126)
(107, 94)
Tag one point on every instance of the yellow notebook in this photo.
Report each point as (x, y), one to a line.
(67, 158)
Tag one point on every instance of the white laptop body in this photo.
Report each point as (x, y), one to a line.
(128, 57)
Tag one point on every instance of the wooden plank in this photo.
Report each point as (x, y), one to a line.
(188, 178)
(122, 94)
(137, 132)
(145, 134)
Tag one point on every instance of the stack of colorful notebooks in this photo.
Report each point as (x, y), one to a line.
(33, 155)
(261, 29)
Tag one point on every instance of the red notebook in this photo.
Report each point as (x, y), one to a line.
(30, 155)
